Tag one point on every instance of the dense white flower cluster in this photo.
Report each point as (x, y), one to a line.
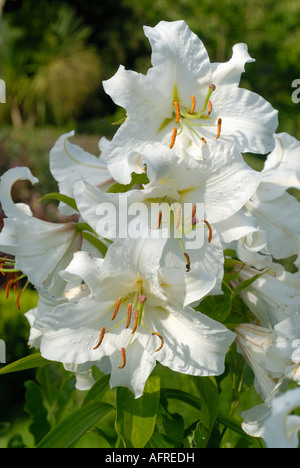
(169, 194)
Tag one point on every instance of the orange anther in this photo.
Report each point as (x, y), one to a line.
(18, 299)
(188, 262)
(117, 306)
(159, 219)
(177, 111)
(209, 108)
(193, 98)
(135, 323)
(209, 229)
(129, 311)
(123, 351)
(178, 214)
(219, 127)
(203, 139)
(8, 286)
(100, 338)
(173, 137)
(161, 339)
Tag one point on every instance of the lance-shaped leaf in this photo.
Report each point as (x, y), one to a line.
(136, 417)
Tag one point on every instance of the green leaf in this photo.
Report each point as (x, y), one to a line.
(135, 179)
(191, 400)
(244, 284)
(235, 426)
(28, 362)
(59, 197)
(196, 403)
(208, 394)
(97, 390)
(136, 418)
(95, 241)
(35, 407)
(70, 429)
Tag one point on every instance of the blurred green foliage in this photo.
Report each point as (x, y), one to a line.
(46, 42)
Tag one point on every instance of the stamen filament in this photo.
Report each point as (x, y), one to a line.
(161, 339)
(123, 351)
(102, 332)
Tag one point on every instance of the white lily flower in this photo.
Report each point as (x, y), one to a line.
(282, 168)
(41, 249)
(176, 181)
(134, 316)
(46, 303)
(274, 422)
(69, 163)
(184, 101)
(272, 297)
(279, 218)
(271, 354)
(276, 211)
(176, 184)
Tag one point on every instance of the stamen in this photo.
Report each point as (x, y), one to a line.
(188, 262)
(117, 306)
(159, 219)
(178, 214)
(8, 286)
(177, 111)
(2, 263)
(194, 220)
(193, 98)
(16, 282)
(219, 127)
(209, 108)
(173, 137)
(18, 299)
(102, 332)
(123, 351)
(203, 139)
(209, 229)
(129, 311)
(161, 339)
(135, 323)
